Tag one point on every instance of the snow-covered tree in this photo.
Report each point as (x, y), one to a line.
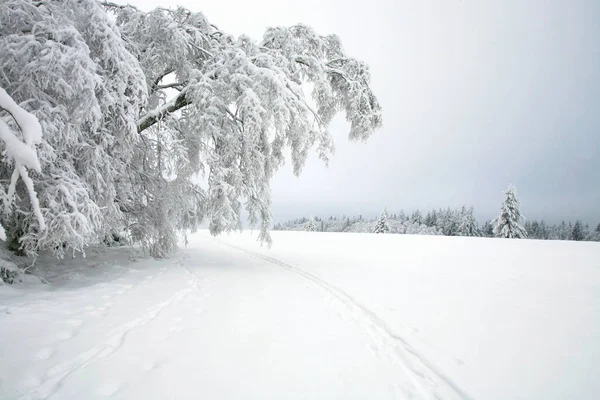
(579, 231)
(561, 231)
(154, 121)
(508, 222)
(488, 229)
(448, 221)
(594, 235)
(431, 218)
(416, 218)
(381, 226)
(311, 225)
(467, 225)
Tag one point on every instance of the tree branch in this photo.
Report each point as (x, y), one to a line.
(110, 4)
(174, 85)
(158, 114)
(160, 78)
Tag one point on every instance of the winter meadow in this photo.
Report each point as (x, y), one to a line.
(175, 193)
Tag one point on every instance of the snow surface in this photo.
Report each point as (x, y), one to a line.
(318, 316)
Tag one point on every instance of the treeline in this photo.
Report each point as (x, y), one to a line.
(448, 222)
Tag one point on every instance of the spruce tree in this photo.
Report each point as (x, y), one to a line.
(578, 233)
(381, 226)
(467, 224)
(311, 225)
(488, 229)
(416, 218)
(508, 223)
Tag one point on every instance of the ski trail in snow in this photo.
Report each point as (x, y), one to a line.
(430, 380)
(196, 280)
(56, 375)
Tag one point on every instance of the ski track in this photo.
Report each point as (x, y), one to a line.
(427, 380)
(421, 371)
(196, 280)
(55, 376)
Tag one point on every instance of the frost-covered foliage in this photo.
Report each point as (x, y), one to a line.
(381, 225)
(414, 228)
(156, 120)
(65, 62)
(20, 151)
(508, 223)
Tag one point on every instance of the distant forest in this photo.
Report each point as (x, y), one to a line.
(448, 222)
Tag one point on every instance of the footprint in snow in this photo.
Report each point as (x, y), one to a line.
(31, 382)
(176, 328)
(64, 335)
(148, 367)
(108, 389)
(74, 322)
(45, 353)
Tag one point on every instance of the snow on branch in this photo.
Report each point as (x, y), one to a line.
(23, 153)
(154, 116)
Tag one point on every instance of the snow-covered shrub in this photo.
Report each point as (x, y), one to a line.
(9, 271)
(420, 229)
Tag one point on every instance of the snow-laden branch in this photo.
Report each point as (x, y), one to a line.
(110, 4)
(156, 115)
(23, 153)
(174, 85)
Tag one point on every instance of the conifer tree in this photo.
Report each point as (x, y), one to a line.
(578, 233)
(311, 225)
(467, 223)
(508, 222)
(381, 226)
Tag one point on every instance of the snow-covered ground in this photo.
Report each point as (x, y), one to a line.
(318, 316)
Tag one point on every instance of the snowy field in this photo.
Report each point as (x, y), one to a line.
(318, 316)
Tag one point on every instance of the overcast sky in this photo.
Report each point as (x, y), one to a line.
(476, 95)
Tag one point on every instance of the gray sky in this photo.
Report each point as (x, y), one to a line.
(476, 95)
